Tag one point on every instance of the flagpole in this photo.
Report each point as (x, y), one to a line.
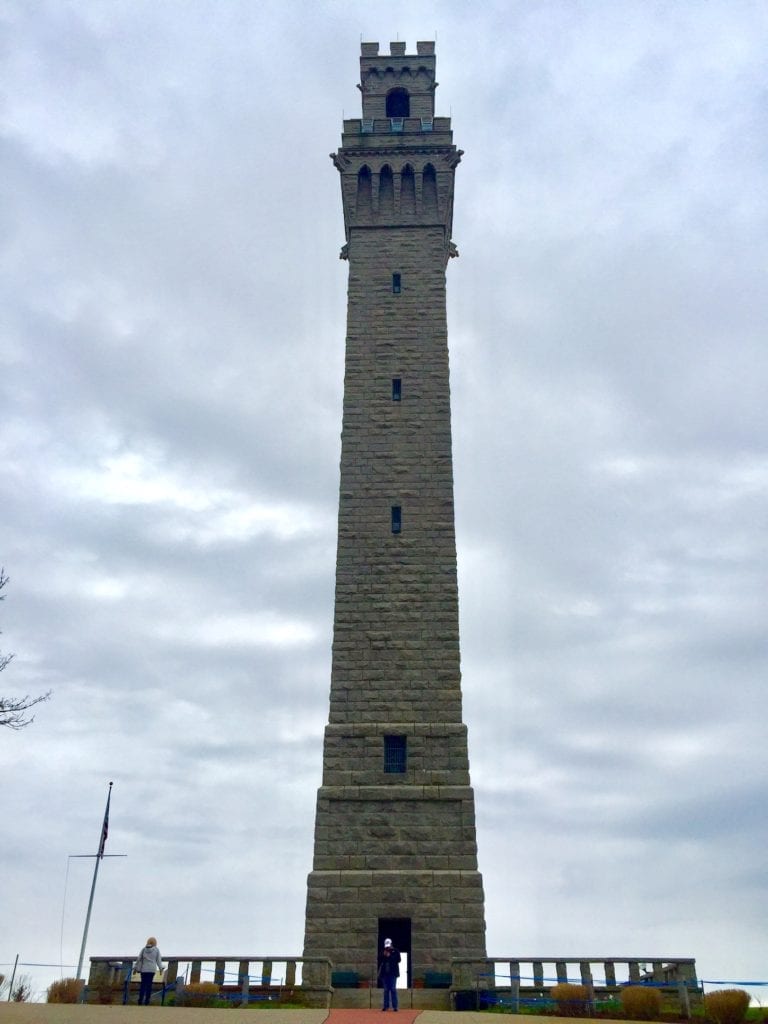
(99, 855)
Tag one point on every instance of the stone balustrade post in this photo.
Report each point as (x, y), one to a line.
(244, 977)
(685, 1002)
(610, 972)
(514, 984)
(245, 982)
(462, 974)
(587, 981)
(266, 973)
(514, 994)
(172, 973)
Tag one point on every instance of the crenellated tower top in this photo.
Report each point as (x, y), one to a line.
(397, 161)
(398, 84)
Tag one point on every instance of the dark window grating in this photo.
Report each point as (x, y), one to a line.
(397, 389)
(397, 519)
(395, 749)
(396, 286)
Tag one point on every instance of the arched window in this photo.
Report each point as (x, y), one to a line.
(408, 192)
(364, 192)
(429, 191)
(386, 192)
(398, 103)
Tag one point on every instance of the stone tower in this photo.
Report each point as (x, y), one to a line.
(395, 847)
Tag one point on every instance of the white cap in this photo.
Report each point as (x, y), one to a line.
(387, 943)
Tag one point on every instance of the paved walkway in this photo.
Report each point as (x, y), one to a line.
(67, 1013)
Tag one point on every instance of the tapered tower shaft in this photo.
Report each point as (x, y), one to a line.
(395, 844)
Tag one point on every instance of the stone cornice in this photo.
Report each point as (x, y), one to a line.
(347, 152)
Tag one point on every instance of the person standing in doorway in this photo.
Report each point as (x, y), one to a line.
(389, 972)
(147, 962)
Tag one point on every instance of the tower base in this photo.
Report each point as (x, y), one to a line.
(432, 917)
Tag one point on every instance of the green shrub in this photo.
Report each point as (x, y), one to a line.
(571, 1000)
(640, 1002)
(726, 1006)
(65, 990)
(198, 993)
(610, 1007)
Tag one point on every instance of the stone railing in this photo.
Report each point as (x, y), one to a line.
(240, 978)
(514, 980)
(473, 982)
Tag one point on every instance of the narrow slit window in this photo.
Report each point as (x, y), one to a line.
(396, 285)
(397, 389)
(395, 754)
(397, 519)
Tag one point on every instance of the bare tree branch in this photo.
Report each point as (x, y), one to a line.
(13, 710)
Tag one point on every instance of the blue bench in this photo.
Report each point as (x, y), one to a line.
(437, 979)
(345, 979)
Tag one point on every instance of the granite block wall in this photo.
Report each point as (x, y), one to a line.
(396, 843)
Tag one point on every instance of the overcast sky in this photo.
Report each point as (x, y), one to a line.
(171, 365)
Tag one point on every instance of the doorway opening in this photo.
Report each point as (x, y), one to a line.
(399, 930)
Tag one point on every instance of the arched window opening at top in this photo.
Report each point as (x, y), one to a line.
(363, 192)
(398, 103)
(407, 192)
(429, 191)
(386, 192)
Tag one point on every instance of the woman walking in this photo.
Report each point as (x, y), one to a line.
(147, 963)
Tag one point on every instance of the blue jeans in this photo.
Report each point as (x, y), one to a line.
(390, 992)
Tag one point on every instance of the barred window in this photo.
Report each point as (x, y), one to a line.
(394, 753)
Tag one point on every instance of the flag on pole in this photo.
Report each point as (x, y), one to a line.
(105, 826)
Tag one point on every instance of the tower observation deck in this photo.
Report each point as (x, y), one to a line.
(395, 850)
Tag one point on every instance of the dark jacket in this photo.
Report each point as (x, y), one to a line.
(389, 964)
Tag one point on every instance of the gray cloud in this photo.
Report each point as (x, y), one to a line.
(171, 368)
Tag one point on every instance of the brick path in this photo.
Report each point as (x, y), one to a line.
(370, 1016)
